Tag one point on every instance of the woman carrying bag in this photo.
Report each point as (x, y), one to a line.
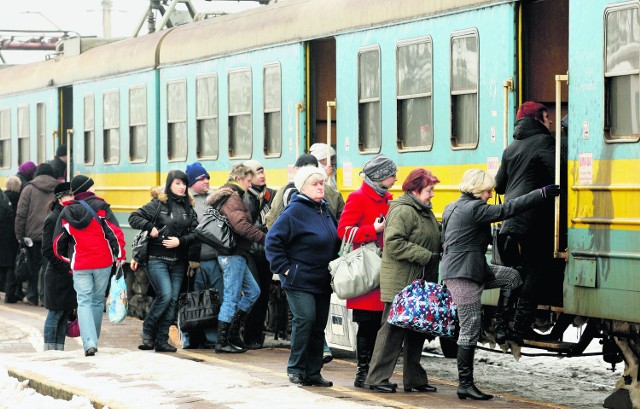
(366, 209)
(411, 251)
(172, 247)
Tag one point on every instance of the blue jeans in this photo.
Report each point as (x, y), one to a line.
(90, 286)
(209, 276)
(166, 279)
(55, 329)
(240, 288)
(310, 313)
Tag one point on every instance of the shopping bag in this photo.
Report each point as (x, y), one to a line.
(198, 309)
(117, 301)
(355, 272)
(425, 307)
(73, 327)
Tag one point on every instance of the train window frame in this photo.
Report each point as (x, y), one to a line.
(138, 130)
(614, 76)
(272, 114)
(24, 129)
(174, 122)
(455, 95)
(111, 137)
(411, 96)
(369, 101)
(235, 115)
(89, 131)
(5, 138)
(204, 116)
(41, 132)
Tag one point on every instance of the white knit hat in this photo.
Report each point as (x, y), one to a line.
(319, 150)
(304, 173)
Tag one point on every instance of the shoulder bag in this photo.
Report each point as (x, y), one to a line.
(355, 272)
(139, 247)
(425, 307)
(198, 309)
(215, 230)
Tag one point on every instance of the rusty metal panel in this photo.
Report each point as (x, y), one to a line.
(583, 272)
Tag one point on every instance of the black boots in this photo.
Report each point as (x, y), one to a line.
(506, 302)
(523, 319)
(363, 350)
(236, 325)
(467, 389)
(222, 343)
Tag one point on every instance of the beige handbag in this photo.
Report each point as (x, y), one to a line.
(355, 272)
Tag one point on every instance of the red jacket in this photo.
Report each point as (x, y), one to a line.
(362, 208)
(81, 241)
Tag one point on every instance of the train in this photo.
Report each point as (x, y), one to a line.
(432, 84)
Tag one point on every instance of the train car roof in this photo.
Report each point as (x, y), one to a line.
(294, 20)
(129, 55)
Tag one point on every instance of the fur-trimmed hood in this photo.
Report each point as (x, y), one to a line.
(161, 195)
(220, 194)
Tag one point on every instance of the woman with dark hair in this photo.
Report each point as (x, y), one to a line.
(411, 251)
(59, 295)
(171, 221)
(366, 209)
(466, 233)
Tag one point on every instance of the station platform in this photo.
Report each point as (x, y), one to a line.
(121, 376)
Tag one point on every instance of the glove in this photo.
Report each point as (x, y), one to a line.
(194, 265)
(550, 191)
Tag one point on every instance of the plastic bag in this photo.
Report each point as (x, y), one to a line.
(117, 302)
(73, 328)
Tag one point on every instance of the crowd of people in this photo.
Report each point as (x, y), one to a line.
(293, 233)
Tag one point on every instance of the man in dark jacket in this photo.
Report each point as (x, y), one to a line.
(527, 164)
(240, 288)
(59, 163)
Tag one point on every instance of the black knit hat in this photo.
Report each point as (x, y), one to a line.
(61, 151)
(45, 169)
(306, 160)
(81, 183)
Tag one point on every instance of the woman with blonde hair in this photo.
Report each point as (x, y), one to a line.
(466, 233)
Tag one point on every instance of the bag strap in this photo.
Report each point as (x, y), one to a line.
(92, 212)
(119, 271)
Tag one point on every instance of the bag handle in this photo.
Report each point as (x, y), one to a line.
(347, 238)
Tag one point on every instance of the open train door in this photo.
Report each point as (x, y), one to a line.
(65, 126)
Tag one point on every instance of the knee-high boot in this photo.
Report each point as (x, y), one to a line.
(236, 324)
(466, 388)
(503, 316)
(222, 342)
(364, 349)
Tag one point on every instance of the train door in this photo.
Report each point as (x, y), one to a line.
(543, 55)
(321, 88)
(65, 126)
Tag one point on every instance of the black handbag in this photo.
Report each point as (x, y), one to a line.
(139, 247)
(22, 264)
(198, 309)
(496, 256)
(215, 230)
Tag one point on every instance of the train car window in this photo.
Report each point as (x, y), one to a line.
(240, 129)
(369, 114)
(5, 138)
(177, 120)
(89, 129)
(207, 144)
(41, 131)
(138, 124)
(272, 110)
(622, 74)
(414, 103)
(111, 127)
(23, 134)
(465, 57)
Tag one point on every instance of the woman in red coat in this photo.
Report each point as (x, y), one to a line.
(367, 208)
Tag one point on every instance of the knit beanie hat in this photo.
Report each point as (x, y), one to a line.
(81, 183)
(253, 164)
(45, 169)
(319, 150)
(62, 150)
(306, 160)
(531, 109)
(27, 168)
(304, 173)
(194, 172)
(379, 168)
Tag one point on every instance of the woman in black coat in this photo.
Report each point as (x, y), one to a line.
(59, 295)
(8, 243)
